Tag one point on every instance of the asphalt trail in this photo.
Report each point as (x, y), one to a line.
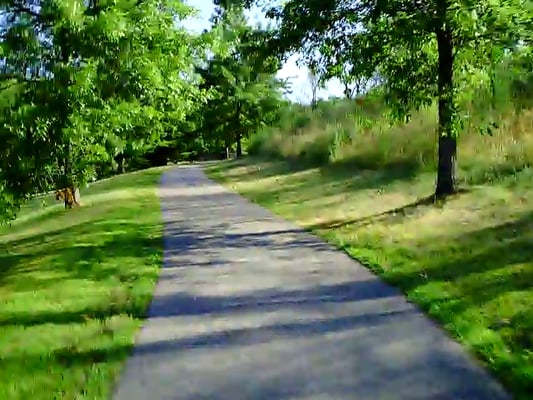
(249, 306)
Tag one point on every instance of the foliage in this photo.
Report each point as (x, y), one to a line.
(245, 92)
(96, 80)
(415, 48)
(359, 134)
(92, 88)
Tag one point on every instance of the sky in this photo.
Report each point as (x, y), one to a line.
(301, 89)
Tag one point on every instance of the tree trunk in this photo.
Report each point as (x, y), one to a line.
(446, 182)
(68, 178)
(121, 160)
(447, 151)
(237, 127)
(314, 101)
(70, 189)
(493, 80)
(347, 90)
(238, 153)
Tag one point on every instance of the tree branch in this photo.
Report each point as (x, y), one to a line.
(17, 77)
(26, 10)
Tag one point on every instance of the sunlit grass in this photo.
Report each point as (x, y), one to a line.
(74, 287)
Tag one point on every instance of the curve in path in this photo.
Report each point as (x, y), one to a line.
(249, 306)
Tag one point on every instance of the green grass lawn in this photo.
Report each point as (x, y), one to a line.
(468, 263)
(74, 286)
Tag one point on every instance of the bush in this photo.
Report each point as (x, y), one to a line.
(359, 133)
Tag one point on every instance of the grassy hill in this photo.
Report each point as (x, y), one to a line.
(345, 173)
(74, 287)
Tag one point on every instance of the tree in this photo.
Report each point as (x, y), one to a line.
(314, 81)
(244, 90)
(414, 46)
(97, 79)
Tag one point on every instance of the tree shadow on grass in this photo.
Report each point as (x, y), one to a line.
(55, 209)
(69, 253)
(487, 249)
(329, 182)
(484, 266)
(401, 211)
(495, 247)
(70, 286)
(72, 356)
(328, 172)
(393, 215)
(78, 316)
(84, 253)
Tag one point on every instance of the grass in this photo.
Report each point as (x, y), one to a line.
(377, 145)
(467, 262)
(75, 286)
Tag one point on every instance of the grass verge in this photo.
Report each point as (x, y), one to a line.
(468, 263)
(74, 287)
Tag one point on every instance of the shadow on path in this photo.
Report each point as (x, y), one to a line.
(251, 307)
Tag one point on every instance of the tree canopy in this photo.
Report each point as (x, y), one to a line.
(96, 86)
(422, 51)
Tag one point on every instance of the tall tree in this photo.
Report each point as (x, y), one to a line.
(415, 46)
(242, 79)
(314, 82)
(96, 78)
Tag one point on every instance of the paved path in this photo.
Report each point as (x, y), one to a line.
(248, 306)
